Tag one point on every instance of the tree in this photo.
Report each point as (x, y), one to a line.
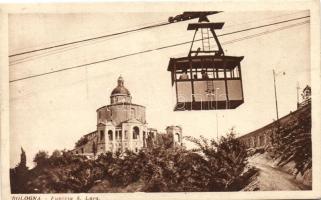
(294, 141)
(19, 175)
(56, 154)
(225, 161)
(83, 140)
(23, 159)
(213, 166)
(41, 158)
(306, 93)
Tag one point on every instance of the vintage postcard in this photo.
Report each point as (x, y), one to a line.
(194, 100)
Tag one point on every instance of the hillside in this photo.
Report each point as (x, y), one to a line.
(271, 177)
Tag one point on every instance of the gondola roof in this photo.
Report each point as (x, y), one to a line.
(205, 61)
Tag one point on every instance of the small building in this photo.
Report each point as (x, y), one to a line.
(122, 126)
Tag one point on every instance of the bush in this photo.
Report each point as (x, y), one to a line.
(83, 140)
(294, 141)
(169, 170)
(225, 161)
(214, 166)
(41, 158)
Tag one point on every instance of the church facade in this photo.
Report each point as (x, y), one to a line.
(122, 126)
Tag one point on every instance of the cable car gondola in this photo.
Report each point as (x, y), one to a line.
(206, 79)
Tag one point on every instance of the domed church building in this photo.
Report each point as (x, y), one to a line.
(122, 126)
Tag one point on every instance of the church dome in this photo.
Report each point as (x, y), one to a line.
(120, 94)
(120, 89)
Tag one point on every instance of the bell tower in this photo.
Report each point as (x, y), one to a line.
(176, 132)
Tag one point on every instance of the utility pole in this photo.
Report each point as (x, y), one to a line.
(216, 127)
(276, 98)
(216, 113)
(297, 95)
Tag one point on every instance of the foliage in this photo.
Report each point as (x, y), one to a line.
(83, 140)
(169, 170)
(294, 141)
(165, 140)
(214, 166)
(19, 175)
(306, 94)
(225, 161)
(64, 172)
(121, 171)
(23, 159)
(41, 158)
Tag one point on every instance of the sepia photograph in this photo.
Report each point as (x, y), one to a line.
(161, 101)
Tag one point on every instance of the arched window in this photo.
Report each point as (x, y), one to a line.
(110, 135)
(253, 142)
(261, 140)
(178, 137)
(135, 132)
(102, 135)
(151, 134)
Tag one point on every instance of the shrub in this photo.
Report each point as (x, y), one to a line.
(41, 158)
(294, 141)
(225, 161)
(213, 166)
(83, 140)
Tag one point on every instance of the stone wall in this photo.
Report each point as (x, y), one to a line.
(87, 149)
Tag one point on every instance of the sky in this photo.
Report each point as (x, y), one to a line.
(53, 111)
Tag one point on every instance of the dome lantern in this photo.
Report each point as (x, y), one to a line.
(120, 94)
(120, 81)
